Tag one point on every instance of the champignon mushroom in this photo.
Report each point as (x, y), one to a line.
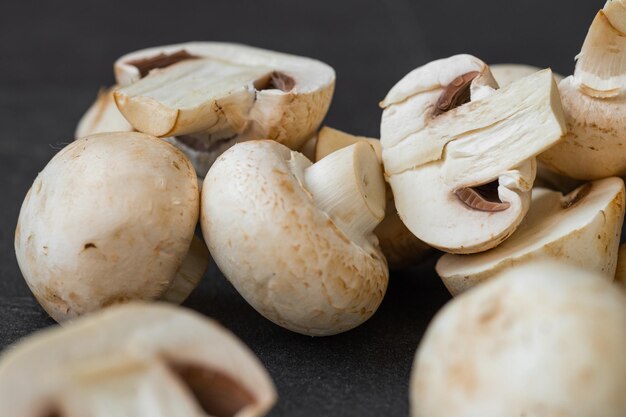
(459, 155)
(400, 247)
(209, 95)
(110, 219)
(506, 74)
(582, 228)
(102, 116)
(296, 239)
(543, 339)
(594, 103)
(140, 360)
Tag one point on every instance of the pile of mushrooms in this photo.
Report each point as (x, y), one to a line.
(512, 171)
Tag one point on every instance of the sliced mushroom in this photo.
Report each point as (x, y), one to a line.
(400, 247)
(461, 172)
(222, 94)
(543, 339)
(594, 102)
(506, 74)
(296, 239)
(582, 228)
(110, 219)
(102, 116)
(135, 360)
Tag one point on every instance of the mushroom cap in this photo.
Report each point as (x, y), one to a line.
(135, 360)
(596, 135)
(289, 114)
(489, 140)
(284, 255)
(582, 229)
(109, 219)
(544, 339)
(102, 116)
(506, 74)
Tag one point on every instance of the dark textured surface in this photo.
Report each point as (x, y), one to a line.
(55, 55)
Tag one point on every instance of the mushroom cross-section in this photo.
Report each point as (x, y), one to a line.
(594, 100)
(209, 95)
(111, 218)
(459, 154)
(136, 360)
(544, 339)
(296, 239)
(582, 228)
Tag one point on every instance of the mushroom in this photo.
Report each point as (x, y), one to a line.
(595, 104)
(460, 155)
(296, 239)
(506, 74)
(209, 95)
(135, 360)
(544, 339)
(102, 116)
(582, 228)
(110, 219)
(400, 247)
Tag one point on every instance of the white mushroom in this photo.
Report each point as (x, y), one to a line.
(295, 239)
(459, 155)
(110, 218)
(545, 339)
(594, 100)
(210, 95)
(102, 116)
(582, 228)
(506, 74)
(136, 360)
(400, 247)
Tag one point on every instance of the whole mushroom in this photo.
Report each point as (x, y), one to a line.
(295, 238)
(594, 103)
(582, 229)
(111, 218)
(460, 155)
(545, 339)
(136, 360)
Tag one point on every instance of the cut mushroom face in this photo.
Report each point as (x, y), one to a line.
(135, 360)
(296, 239)
(506, 74)
(545, 339)
(459, 155)
(594, 102)
(582, 228)
(400, 247)
(102, 116)
(216, 94)
(110, 219)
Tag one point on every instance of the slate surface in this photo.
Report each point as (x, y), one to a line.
(55, 55)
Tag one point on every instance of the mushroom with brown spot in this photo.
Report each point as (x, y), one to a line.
(460, 154)
(111, 218)
(594, 100)
(582, 229)
(134, 360)
(295, 238)
(543, 339)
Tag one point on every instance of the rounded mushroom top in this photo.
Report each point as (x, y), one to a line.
(296, 240)
(136, 359)
(527, 343)
(110, 218)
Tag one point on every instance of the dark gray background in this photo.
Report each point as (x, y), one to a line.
(55, 55)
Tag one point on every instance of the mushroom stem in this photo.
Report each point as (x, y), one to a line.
(348, 185)
(189, 274)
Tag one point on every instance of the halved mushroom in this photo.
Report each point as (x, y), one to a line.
(102, 116)
(400, 247)
(110, 219)
(140, 360)
(582, 228)
(459, 155)
(506, 74)
(296, 239)
(210, 95)
(594, 102)
(543, 339)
